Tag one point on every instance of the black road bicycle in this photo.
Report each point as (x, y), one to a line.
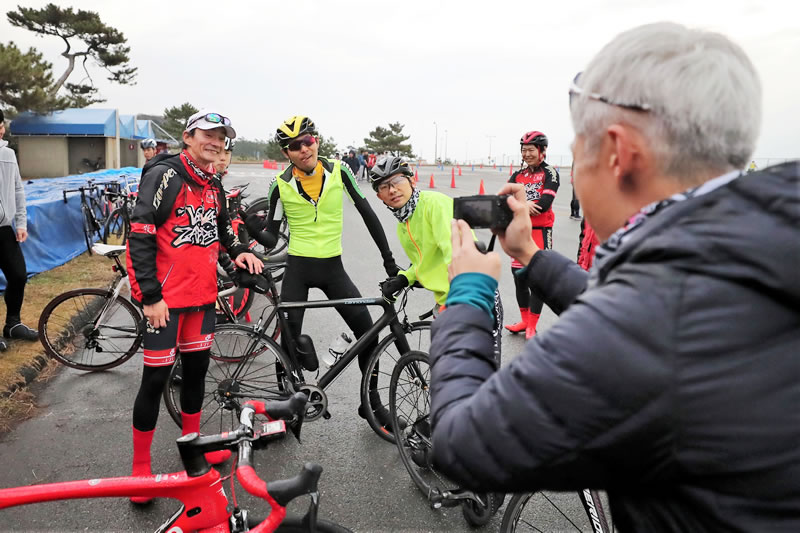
(248, 363)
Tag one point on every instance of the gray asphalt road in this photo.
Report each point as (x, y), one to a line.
(83, 429)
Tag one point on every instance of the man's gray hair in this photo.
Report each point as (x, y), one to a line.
(704, 92)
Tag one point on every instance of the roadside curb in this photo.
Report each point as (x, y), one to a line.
(28, 373)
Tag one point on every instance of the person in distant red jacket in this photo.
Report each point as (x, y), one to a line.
(541, 183)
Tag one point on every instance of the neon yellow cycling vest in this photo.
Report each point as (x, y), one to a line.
(315, 229)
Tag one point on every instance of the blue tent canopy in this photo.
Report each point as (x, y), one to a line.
(144, 130)
(127, 126)
(88, 122)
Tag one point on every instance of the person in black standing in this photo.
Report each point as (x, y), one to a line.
(13, 231)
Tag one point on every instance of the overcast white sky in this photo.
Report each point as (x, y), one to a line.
(477, 69)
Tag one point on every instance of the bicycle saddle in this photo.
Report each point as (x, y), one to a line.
(108, 250)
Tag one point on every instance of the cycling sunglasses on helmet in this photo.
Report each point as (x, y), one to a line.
(213, 118)
(297, 144)
(575, 90)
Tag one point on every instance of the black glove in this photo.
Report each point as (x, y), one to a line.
(253, 222)
(393, 285)
(256, 282)
(390, 267)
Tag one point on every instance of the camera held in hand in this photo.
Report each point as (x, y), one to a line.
(483, 211)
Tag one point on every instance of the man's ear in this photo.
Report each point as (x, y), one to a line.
(624, 156)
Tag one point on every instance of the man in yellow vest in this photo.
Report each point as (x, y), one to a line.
(309, 194)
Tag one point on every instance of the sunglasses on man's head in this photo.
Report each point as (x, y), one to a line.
(214, 118)
(575, 90)
(297, 144)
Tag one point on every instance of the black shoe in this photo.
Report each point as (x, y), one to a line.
(21, 332)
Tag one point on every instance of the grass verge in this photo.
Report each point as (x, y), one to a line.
(23, 360)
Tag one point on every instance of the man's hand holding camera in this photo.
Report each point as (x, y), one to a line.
(465, 255)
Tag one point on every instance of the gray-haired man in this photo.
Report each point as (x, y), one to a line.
(672, 378)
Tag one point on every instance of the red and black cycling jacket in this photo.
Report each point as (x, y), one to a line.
(177, 226)
(541, 184)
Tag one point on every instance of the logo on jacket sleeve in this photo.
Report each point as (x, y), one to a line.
(201, 229)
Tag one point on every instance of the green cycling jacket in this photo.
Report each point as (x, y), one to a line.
(425, 237)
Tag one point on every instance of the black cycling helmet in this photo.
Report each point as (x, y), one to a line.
(294, 127)
(386, 168)
(536, 138)
(148, 143)
(230, 144)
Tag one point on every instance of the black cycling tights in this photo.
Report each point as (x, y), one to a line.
(148, 401)
(328, 275)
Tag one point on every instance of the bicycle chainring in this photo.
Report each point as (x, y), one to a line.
(317, 404)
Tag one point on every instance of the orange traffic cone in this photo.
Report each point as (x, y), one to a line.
(416, 176)
(459, 171)
(453, 178)
(481, 190)
(431, 185)
(510, 169)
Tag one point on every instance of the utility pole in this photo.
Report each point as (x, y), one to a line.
(445, 145)
(436, 144)
(490, 146)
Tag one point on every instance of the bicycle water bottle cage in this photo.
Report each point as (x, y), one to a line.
(306, 353)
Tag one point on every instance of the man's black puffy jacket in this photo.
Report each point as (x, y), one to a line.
(673, 381)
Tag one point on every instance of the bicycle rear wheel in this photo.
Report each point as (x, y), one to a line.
(116, 229)
(88, 330)
(550, 511)
(410, 406)
(375, 384)
(244, 365)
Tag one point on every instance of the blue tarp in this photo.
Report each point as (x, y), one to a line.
(94, 122)
(55, 229)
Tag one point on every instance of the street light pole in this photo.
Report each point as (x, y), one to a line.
(436, 144)
(490, 146)
(445, 145)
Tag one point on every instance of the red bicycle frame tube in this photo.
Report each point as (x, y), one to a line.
(204, 492)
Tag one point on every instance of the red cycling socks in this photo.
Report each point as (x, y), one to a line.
(191, 424)
(142, 441)
(533, 320)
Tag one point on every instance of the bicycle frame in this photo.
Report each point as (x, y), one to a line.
(389, 317)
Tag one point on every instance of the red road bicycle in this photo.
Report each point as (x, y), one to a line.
(205, 506)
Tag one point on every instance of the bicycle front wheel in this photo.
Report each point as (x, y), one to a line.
(410, 407)
(551, 511)
(88, 329)
(243, 365)
(376, 380)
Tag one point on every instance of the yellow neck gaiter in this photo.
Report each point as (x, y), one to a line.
(311, 183)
